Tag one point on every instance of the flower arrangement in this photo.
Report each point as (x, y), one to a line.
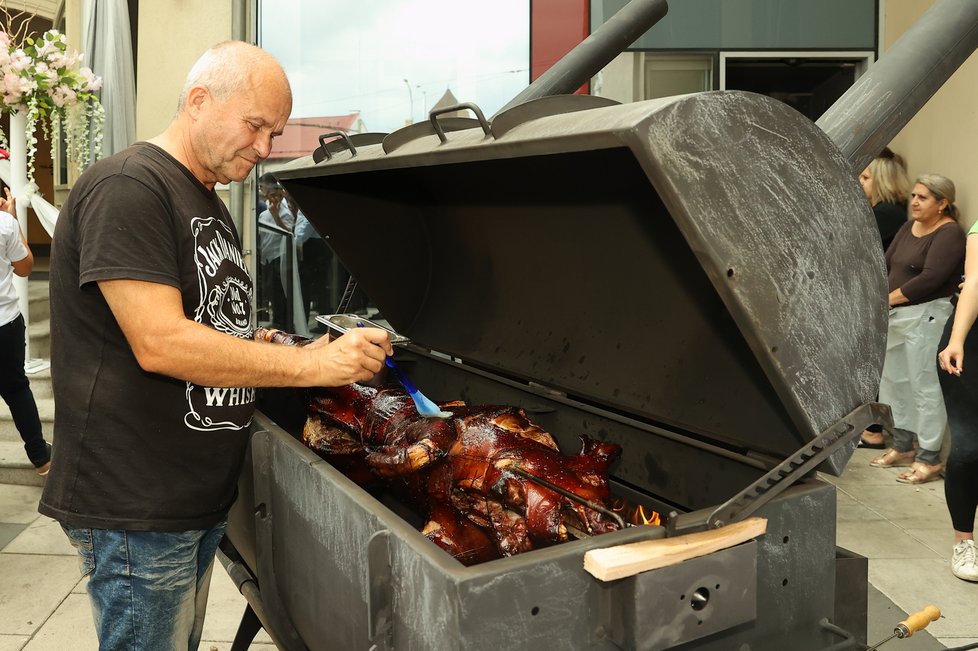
(41, 80)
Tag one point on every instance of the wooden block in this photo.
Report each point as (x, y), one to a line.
(620, 561)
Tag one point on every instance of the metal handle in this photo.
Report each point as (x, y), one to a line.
(595, 52)
(874, 109)
(457, 107)
(343, 136)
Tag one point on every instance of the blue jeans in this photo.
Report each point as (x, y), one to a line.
(148, 589)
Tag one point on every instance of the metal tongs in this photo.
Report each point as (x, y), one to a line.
(343, 322)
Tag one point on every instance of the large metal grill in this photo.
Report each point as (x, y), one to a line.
(697, 279)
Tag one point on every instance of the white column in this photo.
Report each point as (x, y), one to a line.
(18, 188)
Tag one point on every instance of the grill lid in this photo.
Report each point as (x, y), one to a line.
(706, 262)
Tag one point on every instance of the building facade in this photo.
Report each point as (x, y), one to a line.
(804, 51)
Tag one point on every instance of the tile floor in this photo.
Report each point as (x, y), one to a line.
(904, 531)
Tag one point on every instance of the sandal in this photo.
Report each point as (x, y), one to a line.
(872, 445)
(892, 458)
(921, 473)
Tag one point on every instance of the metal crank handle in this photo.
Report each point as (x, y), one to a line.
(916, 622)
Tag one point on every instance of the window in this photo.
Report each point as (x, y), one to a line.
(668, 75)
(389, 62)
(372, 67)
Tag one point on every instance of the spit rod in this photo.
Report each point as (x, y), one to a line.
(916, 622)
(569, 495)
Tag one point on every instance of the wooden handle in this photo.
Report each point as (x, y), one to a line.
(620, 561)
(920, 619)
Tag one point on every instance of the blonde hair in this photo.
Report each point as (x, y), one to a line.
(942, 188)
(890, 182)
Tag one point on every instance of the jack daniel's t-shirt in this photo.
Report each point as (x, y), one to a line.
(136, 450)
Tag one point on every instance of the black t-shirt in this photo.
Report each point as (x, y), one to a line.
(889, 218)
(136, 450)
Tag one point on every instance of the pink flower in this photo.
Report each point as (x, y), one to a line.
(63, 96)
(19, 61)
(13, 89)
(58, 60)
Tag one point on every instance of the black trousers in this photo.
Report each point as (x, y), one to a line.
(16, 390)
(961, 401)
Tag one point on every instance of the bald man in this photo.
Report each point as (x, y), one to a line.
(153, 363)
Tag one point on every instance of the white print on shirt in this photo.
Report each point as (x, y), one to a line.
(225, 300)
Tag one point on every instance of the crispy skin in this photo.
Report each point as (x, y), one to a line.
(461, 471)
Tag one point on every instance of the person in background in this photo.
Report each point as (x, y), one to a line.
(924, 264)
(961, 398)
(153, 361)
(887, 187)
(16, 258)
(271, 247)
(315, 261)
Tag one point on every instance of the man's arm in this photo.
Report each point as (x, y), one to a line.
(165, 341)
(23, 268)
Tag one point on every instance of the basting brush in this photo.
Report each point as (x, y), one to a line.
(425, 407)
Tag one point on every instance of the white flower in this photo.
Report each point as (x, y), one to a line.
(48, 85)
(90, 82)
(19, 61)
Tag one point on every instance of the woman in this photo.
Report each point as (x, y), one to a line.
(960, 391)
(886, 186)
(15, 389)
(924, 264)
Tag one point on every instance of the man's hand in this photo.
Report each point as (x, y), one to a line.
(355, 357)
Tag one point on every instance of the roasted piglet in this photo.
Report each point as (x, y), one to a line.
(490, 482)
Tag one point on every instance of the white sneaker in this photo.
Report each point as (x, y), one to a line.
(964, 561)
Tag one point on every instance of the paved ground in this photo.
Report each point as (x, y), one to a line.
(904, 530)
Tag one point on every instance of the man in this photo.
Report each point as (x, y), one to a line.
(15, 388)
(271, 247)
(153, 364)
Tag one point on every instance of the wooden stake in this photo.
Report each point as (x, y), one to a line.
(620, 561)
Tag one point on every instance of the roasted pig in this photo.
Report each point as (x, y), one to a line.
(489, 481)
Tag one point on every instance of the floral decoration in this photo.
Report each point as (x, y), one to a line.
(41, 80)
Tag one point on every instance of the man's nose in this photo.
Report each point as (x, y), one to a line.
(263, 145)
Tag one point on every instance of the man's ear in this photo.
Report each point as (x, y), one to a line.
(196, 98)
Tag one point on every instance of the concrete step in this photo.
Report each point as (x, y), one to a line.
(45, 409)
(15, 468)
(38, 298)
(39, 332)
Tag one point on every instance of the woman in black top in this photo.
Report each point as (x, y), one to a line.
(887, 187)
(960, 389)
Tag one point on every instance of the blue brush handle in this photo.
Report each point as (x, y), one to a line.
(398, 373)
(425, 406)
(403, 379)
